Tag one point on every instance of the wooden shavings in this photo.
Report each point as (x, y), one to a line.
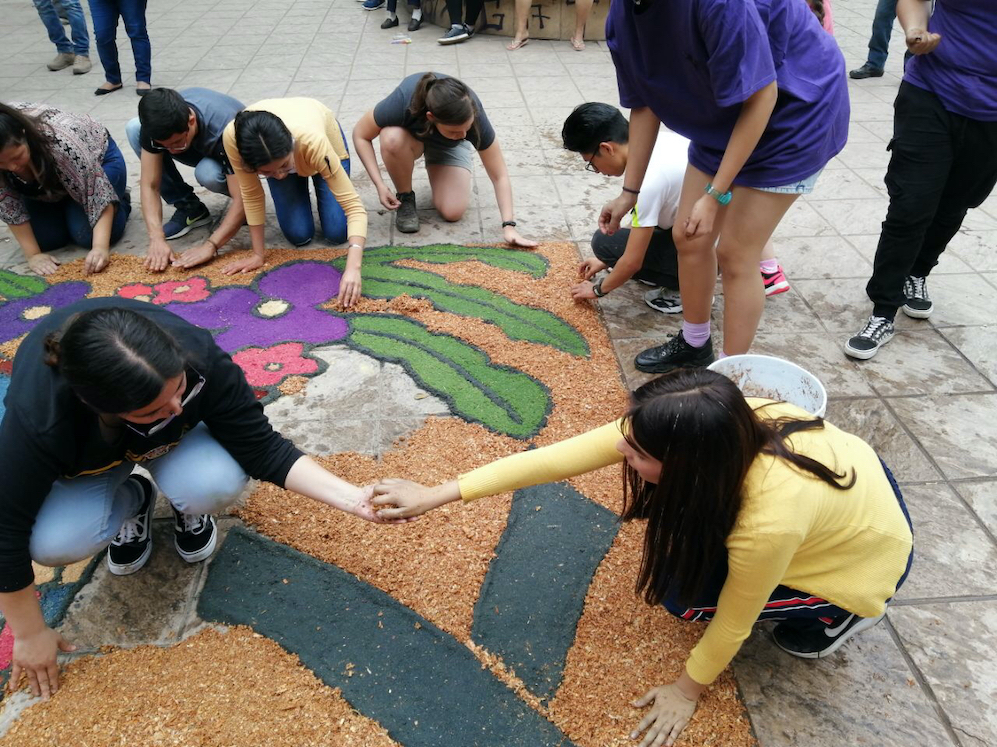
(230, 689)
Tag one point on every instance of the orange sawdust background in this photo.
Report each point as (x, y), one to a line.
(437, 564)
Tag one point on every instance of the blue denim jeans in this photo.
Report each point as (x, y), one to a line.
(56, 224)
(173, 189)
(294, 208)
(882, 29)
(77, 25)
(81, 515)
(105, 29)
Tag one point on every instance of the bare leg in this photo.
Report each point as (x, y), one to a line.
(582, 9)
(399, 151)
(769, 251)
(451, 187)
(751, 219)
(522, 20)
(697, 258)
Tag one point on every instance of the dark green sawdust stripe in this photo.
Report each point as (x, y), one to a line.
(392, 665)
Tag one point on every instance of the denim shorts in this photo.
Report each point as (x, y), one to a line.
(802, 187)
(460, 155)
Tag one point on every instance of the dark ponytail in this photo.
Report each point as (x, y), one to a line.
(261, 138)
(114, 359)
(817, 6)
(16, 128)
(447, 98)
(698, 425)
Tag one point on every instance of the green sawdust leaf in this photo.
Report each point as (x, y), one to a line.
(13, 285)
(503, 399)
(517, 321)
(501, 258)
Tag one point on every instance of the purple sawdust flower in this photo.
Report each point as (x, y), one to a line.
(280, 306)
(21, 315)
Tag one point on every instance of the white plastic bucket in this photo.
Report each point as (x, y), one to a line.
(774, 378)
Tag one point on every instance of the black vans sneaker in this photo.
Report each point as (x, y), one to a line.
(676, 353)
(813, 639)
(664, 300)
(194, 535)
(917, 304)
(132, 545)
(878, 331)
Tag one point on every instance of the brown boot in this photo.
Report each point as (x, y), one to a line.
(61, 61)
(81, 65)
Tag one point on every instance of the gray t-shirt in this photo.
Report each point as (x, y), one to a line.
(213, 111)
(394, 112)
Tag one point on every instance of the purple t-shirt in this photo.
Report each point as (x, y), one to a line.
(962, 71)
(694, 62)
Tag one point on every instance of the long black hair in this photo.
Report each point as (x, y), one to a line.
(114, 359)
(698, 424)
(261, 138)
(448, 99)
(16, 128)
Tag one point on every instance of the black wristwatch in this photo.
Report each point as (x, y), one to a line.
(597, 287)
(507, 223)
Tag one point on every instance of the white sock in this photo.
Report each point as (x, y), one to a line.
(456, 25)
(417, 14)
(392, 15)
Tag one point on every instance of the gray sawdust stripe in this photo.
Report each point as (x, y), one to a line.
(535, 589)
(393, 666)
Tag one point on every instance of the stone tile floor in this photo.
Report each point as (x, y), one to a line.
(927, 675)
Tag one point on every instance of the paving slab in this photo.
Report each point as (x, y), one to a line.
(955, 646)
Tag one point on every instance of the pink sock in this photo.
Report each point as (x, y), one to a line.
(769, 265)
(696, 334)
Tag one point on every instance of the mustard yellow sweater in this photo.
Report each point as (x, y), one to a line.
(318, 149)
(848, 547)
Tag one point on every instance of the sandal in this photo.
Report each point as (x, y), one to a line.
(578, 44)
(517, 44)
(104, 91)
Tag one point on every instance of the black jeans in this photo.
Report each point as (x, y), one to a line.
(660, 262)
(942, 164)
(474, 8)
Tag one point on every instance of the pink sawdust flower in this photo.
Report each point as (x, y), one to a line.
(270, 366)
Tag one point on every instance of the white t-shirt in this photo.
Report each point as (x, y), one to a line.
(658, 200)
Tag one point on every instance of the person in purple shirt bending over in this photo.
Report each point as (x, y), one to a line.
(944, 156)
(759, 89)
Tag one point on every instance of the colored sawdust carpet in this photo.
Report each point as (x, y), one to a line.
(511, 621)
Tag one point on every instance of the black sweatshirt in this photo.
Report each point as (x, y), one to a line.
(47, 433)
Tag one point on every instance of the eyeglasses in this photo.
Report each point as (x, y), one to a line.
(192, 391)
(589, 166)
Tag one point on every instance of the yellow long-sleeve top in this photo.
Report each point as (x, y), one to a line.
(319, 148)
(849, 547)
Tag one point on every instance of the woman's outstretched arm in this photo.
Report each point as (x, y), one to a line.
(574, 456)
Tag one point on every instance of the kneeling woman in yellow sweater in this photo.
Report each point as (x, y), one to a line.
(287, 141)
(755, 510)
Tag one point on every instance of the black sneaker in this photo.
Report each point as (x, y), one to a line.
(664, 300)
(194, 535)
(415, 24)
(187, 217)
(812, 639)
(389, 23)
(456, 35)
(878, 331)
(918, 305)
(406, 217)
(868, 70)
(676, 353)
(132, 545)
